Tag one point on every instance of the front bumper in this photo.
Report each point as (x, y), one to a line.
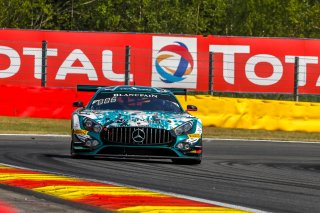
(82, 145)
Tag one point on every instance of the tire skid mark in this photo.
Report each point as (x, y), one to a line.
(105, 196)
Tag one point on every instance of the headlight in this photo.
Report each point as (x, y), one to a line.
(88, 123)
(97, 128)
(91, 125)
(184, 128)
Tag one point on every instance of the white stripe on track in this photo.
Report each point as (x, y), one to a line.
(260, 140)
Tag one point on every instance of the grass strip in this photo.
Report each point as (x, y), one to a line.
(18, 125)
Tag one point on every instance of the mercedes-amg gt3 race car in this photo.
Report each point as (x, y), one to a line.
(135, 121)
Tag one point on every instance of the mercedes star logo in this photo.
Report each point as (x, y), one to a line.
(138, 135)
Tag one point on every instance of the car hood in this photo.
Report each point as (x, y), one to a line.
(162, 120)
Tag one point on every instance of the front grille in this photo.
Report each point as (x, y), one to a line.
(137, 136)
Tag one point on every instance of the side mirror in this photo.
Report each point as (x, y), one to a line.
(191, 108)
(78, 104)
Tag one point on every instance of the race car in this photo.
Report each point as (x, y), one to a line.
(135, 122)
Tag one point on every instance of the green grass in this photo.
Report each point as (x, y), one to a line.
(14, 125)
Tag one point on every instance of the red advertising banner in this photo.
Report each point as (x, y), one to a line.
(39, 102)
(241, 64)
(265, 64)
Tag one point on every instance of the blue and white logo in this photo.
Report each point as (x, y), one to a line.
(174, 62)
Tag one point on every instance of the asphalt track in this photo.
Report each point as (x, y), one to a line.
(273, 177)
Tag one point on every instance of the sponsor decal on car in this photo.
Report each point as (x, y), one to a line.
(136, 95)
(194, 135)
(80, 132)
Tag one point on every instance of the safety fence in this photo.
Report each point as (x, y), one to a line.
(213, 64)
(39, 71)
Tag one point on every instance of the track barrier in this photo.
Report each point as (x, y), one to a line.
(214, 111)
(255, 114)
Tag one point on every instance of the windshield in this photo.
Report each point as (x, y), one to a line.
(135, 101)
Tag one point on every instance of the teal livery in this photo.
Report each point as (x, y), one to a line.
(136, 122)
